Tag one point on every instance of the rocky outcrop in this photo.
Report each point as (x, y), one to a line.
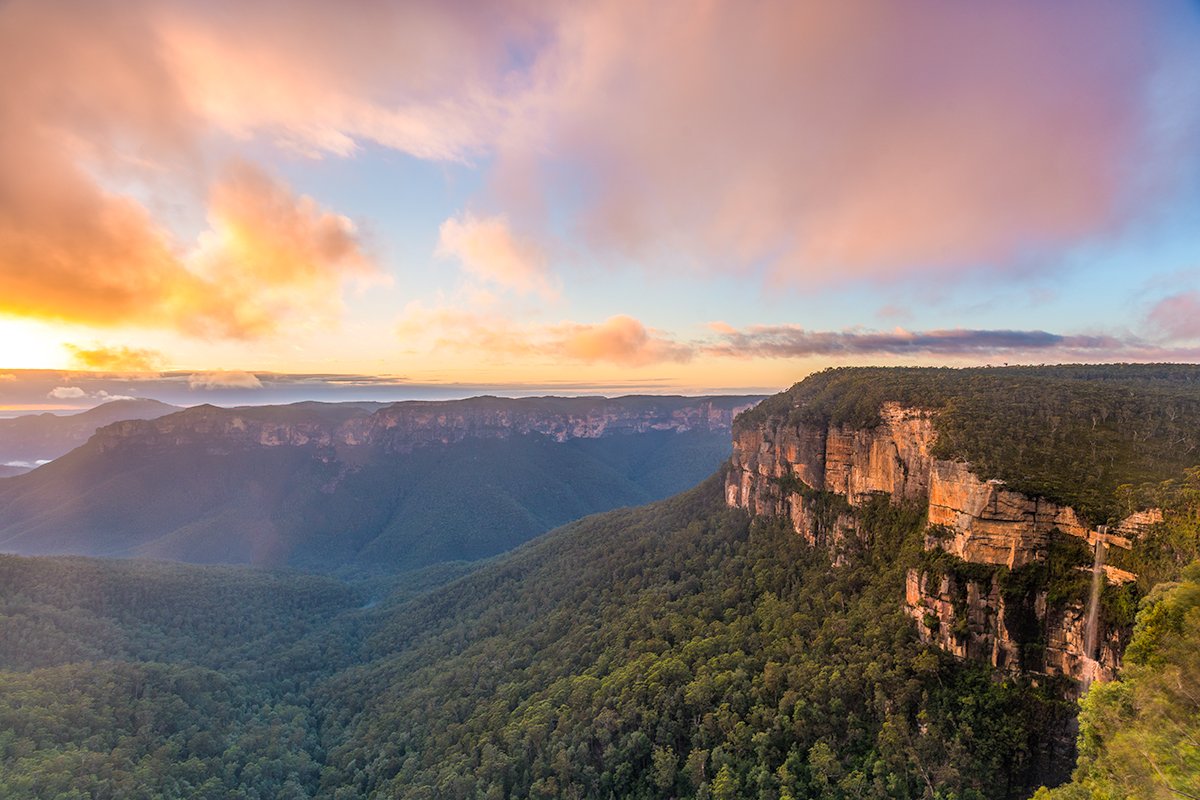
(892, 458)
(404, 426)
(978, 521)
(971, 619)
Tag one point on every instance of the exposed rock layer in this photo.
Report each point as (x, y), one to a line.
(404, 426)
(976, 520)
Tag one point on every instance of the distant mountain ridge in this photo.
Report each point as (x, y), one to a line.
(403, 426)
(32, 438)
(330, 487)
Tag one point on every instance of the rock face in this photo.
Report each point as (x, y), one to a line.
(978, 521)
(404, 426)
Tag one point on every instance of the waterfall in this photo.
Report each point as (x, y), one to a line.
(1091, 625)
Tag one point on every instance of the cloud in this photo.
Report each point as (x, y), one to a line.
(67, 393)
(893, 312)
(792, 341)
(1176, 318)
(224, 380)
(833, 141)
(815, 142)
(489, 250)
(94, 99)
(272, 258)
(116, 359)
(427, 78)
(620, 339)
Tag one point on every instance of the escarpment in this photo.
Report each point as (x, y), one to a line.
(984, 596)
(404, 426)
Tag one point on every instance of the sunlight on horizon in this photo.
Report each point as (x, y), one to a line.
(31, 345)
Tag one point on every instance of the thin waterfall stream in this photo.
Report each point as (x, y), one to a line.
(1092, 623)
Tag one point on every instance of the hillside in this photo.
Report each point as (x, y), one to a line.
(30, 439)
(660, 651)
(698, 646)
(328, 487)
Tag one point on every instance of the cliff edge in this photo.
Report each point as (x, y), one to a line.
(778, 464)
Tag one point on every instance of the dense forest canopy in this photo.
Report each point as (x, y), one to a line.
(681, 649)
(1071, 433)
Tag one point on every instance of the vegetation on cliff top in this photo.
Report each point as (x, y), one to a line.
(1073, 434)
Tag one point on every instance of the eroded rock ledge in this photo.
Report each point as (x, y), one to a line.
(978, 521)
(404, 426)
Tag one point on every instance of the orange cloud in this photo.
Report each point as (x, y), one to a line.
(489, 250)
(91, 98)
(116, 359)
(620, 340)
(270, 258)
(461, 330)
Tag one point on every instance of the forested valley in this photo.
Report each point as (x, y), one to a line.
(678, 649)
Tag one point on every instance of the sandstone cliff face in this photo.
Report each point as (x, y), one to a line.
(976, 520)
(404, 426)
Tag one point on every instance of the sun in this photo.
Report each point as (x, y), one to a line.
(31, 345)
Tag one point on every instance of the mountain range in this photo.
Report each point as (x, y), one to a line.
(350, 486)
(33, 439)
(878, 595)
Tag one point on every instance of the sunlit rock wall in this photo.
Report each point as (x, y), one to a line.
(976, 520)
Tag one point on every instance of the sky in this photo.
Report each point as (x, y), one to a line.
(386, 200)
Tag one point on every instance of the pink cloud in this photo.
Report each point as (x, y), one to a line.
(835, 141)
(820, 141)
(621, 340)
(489, 249)
(1177, 318)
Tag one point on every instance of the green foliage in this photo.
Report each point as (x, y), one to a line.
(680, 650)
(148, 731)
(1069, 433)
(109, 684)
(1140, 736)
(68, 609)
(1161, 553)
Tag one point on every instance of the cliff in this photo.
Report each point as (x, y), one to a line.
(404, 426)
(976, 521)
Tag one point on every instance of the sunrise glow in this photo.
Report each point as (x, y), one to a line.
(597, 197)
